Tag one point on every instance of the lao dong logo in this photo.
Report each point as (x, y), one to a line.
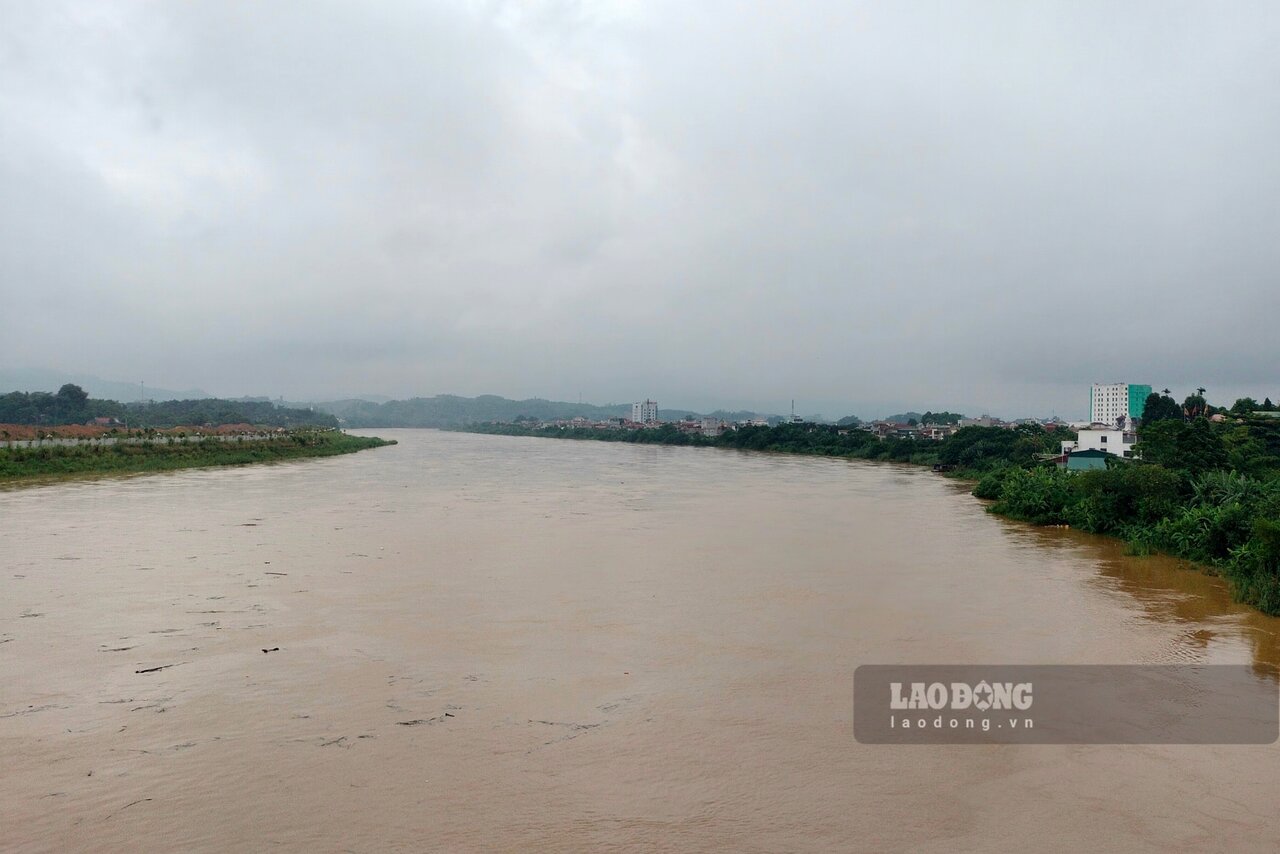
(960, 696)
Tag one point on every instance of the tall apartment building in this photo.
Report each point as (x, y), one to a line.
(645, 413)
(1109, 403)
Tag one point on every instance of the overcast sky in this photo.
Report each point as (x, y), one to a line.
(863, 206)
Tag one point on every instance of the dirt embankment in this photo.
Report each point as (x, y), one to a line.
(20, 432)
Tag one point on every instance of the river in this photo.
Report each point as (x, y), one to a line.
(500, 643)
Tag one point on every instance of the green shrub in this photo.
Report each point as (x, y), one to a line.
(1125, 494)
(992, 483)
(1036, 495)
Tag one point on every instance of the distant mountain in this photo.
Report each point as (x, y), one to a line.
(902, 417)
(447, 410)
(741, 415)
(40, 379)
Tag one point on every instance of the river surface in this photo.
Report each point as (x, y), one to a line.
(497, 643)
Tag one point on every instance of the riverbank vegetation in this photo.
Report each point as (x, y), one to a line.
(1205, 488)
(71, 405)
(970, 451)
(1205, 491)
(168, 452)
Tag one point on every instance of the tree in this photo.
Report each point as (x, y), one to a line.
(1244, 406)
(70, 403)
(74, 395)
(1195, 405)
(1246, 452)
(1191, 447)
(1159, 407)
(984, 447)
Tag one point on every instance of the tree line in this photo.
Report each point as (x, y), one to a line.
(973, 449)
(29, 463)
(72, 405)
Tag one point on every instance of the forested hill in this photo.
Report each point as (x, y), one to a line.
(447, 410)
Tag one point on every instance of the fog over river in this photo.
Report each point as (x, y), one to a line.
(496, 643)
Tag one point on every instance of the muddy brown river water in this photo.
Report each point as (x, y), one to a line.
(493, 643)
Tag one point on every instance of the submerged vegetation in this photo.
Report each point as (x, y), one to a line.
(36, 461)
(1204, 490)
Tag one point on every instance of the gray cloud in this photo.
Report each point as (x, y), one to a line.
(864, 206)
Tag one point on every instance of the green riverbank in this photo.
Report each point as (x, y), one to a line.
(20, 465)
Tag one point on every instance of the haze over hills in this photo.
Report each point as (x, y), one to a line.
(378, 410)
(441, 410)
(44, 379)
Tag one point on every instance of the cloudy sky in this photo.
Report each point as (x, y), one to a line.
(865, 206)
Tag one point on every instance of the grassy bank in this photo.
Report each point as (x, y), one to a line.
(23, 464)
(1207, 492)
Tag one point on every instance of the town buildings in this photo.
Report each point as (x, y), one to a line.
(1114, 409)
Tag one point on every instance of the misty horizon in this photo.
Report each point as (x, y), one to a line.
(868, 208)
(47, 380)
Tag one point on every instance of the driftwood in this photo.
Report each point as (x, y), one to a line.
(154, 669)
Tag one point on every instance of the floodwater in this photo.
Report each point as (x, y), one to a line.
(494, 643)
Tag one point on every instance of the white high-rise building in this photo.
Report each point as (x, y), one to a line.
(1117, 404)
(645, 413)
